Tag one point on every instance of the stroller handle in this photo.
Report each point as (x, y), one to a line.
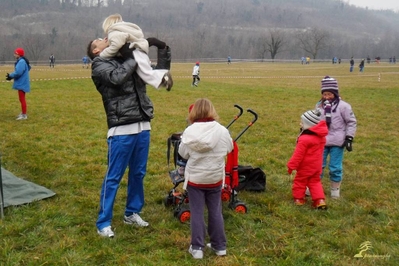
(239, 107)
(249, 124)
(255, 115)
(236, 116)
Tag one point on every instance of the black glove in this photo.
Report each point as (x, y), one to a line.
(8, 77)
(348, 143)
(126, 52)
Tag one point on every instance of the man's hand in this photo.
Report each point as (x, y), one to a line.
(126, 52)
(8, 77)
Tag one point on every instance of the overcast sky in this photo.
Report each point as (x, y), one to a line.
(376, 4)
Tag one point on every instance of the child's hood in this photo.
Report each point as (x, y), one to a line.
(320, 129)
(202, 136)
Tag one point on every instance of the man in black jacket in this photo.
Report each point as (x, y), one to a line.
(129, 111)
(352, 64)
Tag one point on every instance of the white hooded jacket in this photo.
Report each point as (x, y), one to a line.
(121, 33)
(205, 145)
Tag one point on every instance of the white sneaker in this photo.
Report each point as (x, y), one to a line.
(196, 253)
(106, 232)
(22, 117)
(217, 252)
(135, 219)
(335, 193)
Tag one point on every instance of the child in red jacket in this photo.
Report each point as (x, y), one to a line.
(307, 160)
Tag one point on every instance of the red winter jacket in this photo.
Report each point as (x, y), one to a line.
(308, 155)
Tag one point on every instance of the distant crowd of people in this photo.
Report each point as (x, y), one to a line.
(336, 60)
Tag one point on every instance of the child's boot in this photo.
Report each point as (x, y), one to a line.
(319, 204)
(335, 190)
(299, 202)
(164, 58)
(152, 41)
(167, 81)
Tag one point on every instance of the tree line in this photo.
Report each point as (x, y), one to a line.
(203, 29)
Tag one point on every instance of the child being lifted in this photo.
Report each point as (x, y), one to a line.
(120, 32)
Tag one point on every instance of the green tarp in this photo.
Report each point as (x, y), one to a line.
(17, 191)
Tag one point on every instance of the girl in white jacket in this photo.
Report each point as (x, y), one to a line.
(205, 144)
(120, 32)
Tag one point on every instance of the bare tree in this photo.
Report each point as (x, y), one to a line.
(271, 44)
(313, 40)
(199, 37)
(34, 46)
(208, 28)
(275, 42)
(53, 35)
(262, 44)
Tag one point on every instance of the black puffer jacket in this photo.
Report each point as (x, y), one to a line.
(123, 91)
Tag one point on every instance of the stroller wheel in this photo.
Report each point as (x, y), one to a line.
(239, 207)
(183, 215)
(168, 201)
(225, 195)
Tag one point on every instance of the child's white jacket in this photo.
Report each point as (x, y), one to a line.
(205, 145)
(121, 33)
(196, 70)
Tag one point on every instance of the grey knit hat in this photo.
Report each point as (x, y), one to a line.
(310, 119)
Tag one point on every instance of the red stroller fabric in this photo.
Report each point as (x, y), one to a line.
(231, 167)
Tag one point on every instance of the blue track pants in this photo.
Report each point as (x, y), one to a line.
(124, 151)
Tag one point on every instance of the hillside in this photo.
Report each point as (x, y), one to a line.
(204, 29)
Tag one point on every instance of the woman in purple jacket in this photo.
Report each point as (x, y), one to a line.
(341, 123)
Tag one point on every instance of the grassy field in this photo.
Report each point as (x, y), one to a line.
(62, 146)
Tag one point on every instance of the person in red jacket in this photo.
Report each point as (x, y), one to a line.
(307, 160)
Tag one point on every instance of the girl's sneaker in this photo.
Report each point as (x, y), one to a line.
(335, 193)
(222, 252)
(196, 253)
(22, 117)
(319, 204)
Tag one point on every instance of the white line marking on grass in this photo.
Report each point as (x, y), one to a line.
(239, 77)
(52, 79)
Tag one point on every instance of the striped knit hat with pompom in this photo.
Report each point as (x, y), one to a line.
(310, 119)
(331, 85)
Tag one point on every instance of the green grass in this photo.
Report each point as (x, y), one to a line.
(62, 146)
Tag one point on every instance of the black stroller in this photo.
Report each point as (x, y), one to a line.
(180, 199)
